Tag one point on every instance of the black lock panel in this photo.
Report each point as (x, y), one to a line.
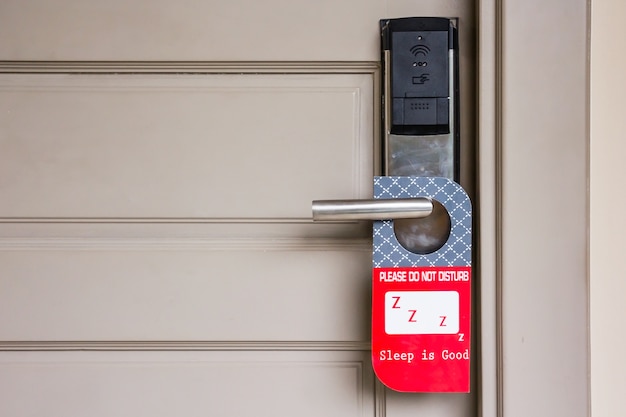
(419, 66)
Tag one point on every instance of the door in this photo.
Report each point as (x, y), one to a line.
(157, 166)
(128, 229)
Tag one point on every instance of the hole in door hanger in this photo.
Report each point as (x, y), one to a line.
(424, 235)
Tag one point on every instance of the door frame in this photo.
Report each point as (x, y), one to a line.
(533, 136)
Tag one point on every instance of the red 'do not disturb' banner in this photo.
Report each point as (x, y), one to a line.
(421, 328)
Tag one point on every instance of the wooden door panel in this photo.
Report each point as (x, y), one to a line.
(283, 290)
(303, 383)
(207, 147)
(189, 30)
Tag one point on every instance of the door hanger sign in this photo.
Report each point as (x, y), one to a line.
(421, 304)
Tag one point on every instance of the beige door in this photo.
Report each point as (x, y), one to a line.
(157, 164)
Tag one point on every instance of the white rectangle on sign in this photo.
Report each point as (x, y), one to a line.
(422, 312)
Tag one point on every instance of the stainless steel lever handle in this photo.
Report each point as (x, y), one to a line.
(383, 209)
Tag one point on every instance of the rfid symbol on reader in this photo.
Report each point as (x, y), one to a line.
(420, 50)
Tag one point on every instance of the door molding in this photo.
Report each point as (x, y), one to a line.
(181, 346)
(189, 67)
(489, 74)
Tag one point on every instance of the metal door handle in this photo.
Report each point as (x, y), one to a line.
(382, 209)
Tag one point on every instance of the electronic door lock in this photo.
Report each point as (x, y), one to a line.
(420, 97)
(422, 217)
(419, 50)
